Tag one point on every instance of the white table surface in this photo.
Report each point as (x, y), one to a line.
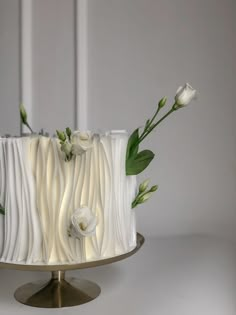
(168, 276)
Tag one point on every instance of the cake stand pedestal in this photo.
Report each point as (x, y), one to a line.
(58, 291)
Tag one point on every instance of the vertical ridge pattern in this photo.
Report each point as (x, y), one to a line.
(41, 191)
(22, 240)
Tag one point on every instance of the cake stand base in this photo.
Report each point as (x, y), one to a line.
(57, 292)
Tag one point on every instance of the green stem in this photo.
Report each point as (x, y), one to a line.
(27, 125)
(150, 122)
(154, 116)
(2, 210)
(134, 203)
(157, 123)
(137, 198)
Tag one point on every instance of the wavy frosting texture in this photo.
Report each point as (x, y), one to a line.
(40, 192)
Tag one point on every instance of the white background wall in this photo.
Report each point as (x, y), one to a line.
(139, 51)
(9, 66)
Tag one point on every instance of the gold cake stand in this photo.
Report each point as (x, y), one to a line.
(58, 292)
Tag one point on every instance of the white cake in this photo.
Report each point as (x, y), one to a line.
(41, 193)
(70, 199)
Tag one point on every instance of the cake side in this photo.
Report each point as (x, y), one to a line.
(41, 192)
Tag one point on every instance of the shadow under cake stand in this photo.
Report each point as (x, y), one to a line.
(58, 292)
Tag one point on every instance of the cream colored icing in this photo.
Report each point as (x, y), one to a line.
(40, 192)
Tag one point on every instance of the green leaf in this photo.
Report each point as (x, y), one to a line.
(132, 146)
(139, 163)
(2, 210)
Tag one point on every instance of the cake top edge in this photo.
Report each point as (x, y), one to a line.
(38, 135)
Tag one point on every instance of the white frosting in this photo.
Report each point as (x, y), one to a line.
(40, 192)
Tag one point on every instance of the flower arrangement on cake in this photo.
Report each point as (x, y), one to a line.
(72, 196)
(78, 142)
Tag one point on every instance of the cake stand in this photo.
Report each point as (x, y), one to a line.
(58, 292)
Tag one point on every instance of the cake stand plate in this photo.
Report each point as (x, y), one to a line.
(60, 292)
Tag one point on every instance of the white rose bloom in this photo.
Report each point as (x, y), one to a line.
(83, 223)
(184, 95)
(81, 142)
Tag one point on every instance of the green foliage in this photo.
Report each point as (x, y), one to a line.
(133, 145)
(2, 210)
(143, 186)
(65, 142)
(137, 163)
(68, 132)
(153, 188)
(23, 114)
(144, 193)
(61, 135)
(162, 102)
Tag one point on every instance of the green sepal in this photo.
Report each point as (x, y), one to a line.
(136, 165)
(23, 114)
(68, 132)
(162, 102)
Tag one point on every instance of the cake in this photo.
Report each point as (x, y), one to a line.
(70, 199)
(43, 195)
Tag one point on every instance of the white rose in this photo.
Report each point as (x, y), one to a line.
(83, 223)
(81, 142)
(184, 95)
